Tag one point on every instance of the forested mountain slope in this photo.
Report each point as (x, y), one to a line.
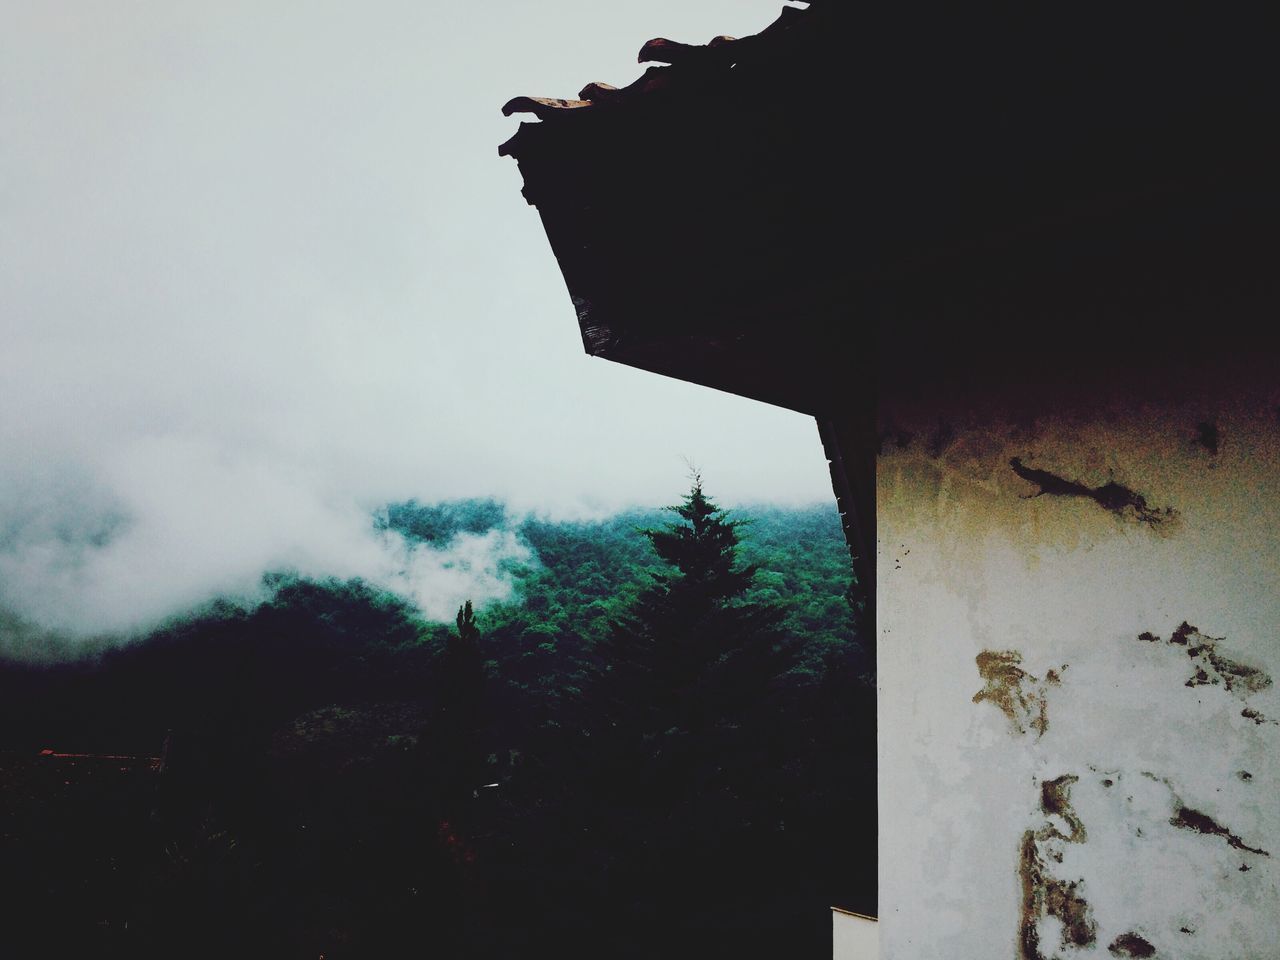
(344, 778)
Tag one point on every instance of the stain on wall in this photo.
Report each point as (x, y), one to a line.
(1112, 497)
(1120, 808)
(891, 435)
(1186, 818)
(1018, 695)
(940, 439)
(1210, 667)
(1208, 436)
(1132, 945)
(1044, 894)
(1055, 799)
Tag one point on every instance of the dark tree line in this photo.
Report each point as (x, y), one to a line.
(651, 755)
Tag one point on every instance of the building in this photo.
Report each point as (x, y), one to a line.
(1020, 264)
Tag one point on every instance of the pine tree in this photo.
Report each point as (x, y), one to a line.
(462, 673)
(692, 651)
(680, 766)
(451, 747)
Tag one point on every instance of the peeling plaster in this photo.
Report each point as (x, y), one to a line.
(1017, 589)
(1019, 695)
(1055, 799)
(1212, 668)
(1047, 897)
(1251, 714)
(1187, 818)
(1131, 945)
(1043, 894)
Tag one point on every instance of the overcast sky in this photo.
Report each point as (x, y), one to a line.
(262, 270)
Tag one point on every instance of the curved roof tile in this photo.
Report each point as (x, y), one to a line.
(686, 63)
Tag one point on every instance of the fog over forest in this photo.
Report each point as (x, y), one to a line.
(262, 273)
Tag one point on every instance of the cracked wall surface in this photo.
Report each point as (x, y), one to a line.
(1079, 619)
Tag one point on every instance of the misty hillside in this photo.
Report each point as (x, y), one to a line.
(331, 755)
(313, 641)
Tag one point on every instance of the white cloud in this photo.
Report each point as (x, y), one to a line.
(171, 523)
(262, 271)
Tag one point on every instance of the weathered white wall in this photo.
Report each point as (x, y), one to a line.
(853, 936)
(1159, 747)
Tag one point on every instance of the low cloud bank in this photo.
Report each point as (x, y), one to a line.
(169, 525)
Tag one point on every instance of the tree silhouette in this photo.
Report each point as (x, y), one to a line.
(686, 746)
(692, 651)
(455, 739)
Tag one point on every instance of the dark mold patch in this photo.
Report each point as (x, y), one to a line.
(1030, 870)
(1132, 945)
(1208, 437)
(1185, 818)
(1191, 819)
(1044, 895)
(1055, 800)
(1200, 678)
(899, 438)
(1239, 676)
(940, 440)
(1212, 668)
(1251, 714)
(1018, 694)
(1062, 901)
(1112, 497)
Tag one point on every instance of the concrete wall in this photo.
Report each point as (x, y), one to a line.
(1079, 622)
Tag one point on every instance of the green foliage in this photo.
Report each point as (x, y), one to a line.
(804, 567)
(690, 649)
(440, 522)
(468, 632)
(665, 735)
(589, 575)
(704, 549)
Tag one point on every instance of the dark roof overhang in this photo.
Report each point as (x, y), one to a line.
(915, 191)
(682, 209)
